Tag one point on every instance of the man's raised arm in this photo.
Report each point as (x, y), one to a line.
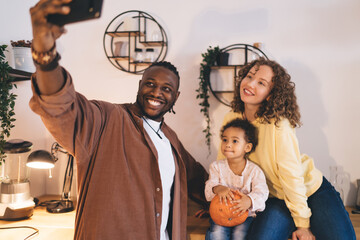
(49, 75)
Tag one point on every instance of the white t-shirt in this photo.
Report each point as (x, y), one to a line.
(166, 168)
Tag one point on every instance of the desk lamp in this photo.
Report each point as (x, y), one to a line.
(42, 159)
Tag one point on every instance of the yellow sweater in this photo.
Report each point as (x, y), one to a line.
(290, 176)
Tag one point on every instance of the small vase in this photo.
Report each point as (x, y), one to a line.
(222, 59)
(23, 60)
(120, 48)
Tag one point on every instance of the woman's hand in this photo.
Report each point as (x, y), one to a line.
(303, 234)
(45, 33)
(225, 193)
(242, 204)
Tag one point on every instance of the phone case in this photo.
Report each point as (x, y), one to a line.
(81, 10)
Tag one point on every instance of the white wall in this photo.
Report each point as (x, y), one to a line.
(317, 41)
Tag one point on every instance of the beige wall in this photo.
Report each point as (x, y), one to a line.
(317, 41)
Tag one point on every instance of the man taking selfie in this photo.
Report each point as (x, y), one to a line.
(134, 174)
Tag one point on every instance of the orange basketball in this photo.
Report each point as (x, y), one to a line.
(223, 216)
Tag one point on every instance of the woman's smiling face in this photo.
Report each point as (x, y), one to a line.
(256, 86)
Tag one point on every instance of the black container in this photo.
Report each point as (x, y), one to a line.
(222, 59)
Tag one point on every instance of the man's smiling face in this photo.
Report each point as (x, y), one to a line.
(158, 91)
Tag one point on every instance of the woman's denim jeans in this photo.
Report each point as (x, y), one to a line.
(217, 232)
(329, 219)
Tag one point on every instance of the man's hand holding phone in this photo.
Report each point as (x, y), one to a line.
(49, 16)
(45, 33)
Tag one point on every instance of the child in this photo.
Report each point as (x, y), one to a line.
(303, 204)
(236, 174)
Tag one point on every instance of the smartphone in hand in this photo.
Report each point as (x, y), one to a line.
(81, 10)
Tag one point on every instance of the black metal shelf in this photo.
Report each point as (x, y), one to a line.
(247, 49)
(136, 37)
(226, 67)
(125, 34)
(152, 43)
(19, 75)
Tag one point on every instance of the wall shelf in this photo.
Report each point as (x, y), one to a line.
(125, 34)
(19, 75)
(119, 57)
(134, 30)
(226, 67)
(153, 43)
(240, 54)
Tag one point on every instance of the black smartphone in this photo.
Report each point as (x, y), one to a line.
(81, 10)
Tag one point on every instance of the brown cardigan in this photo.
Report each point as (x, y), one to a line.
(120, 195)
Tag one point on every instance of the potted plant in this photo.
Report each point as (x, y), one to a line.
(209, 60)
(7, 101)
(222, 59)
(21, 43)
(22, 55)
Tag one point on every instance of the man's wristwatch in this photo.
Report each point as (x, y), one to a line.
(46, 61)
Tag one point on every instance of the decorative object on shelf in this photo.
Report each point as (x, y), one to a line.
(22, 55)
(232, 57)
(120, 48)
(7, 102)
(136, 30)
(42, 159)
(209, 59)
(222, 59)
(139, 55)
(149, 55)
(155, 36)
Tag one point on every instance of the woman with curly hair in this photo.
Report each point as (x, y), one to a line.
(302, 203)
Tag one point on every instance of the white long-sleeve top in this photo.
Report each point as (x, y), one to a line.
(291, 176)
(252, 182)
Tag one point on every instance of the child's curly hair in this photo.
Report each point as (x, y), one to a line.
(251, 134)
(282, 99)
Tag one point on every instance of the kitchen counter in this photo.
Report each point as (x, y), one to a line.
(54, 226)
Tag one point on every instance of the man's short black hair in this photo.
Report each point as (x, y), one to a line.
(249, 129)
(169, 66)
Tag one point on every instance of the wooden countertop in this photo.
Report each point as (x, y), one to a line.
(54, 226)
(61, 226)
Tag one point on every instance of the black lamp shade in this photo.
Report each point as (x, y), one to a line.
(40, 159)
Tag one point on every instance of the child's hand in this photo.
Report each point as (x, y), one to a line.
(241, 205)
(225, 193)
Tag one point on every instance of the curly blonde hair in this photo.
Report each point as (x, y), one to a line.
(282, 99)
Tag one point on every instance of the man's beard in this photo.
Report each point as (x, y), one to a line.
(161, 114)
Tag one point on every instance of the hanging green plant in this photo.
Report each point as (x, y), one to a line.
(209, 59)
(7, 101)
